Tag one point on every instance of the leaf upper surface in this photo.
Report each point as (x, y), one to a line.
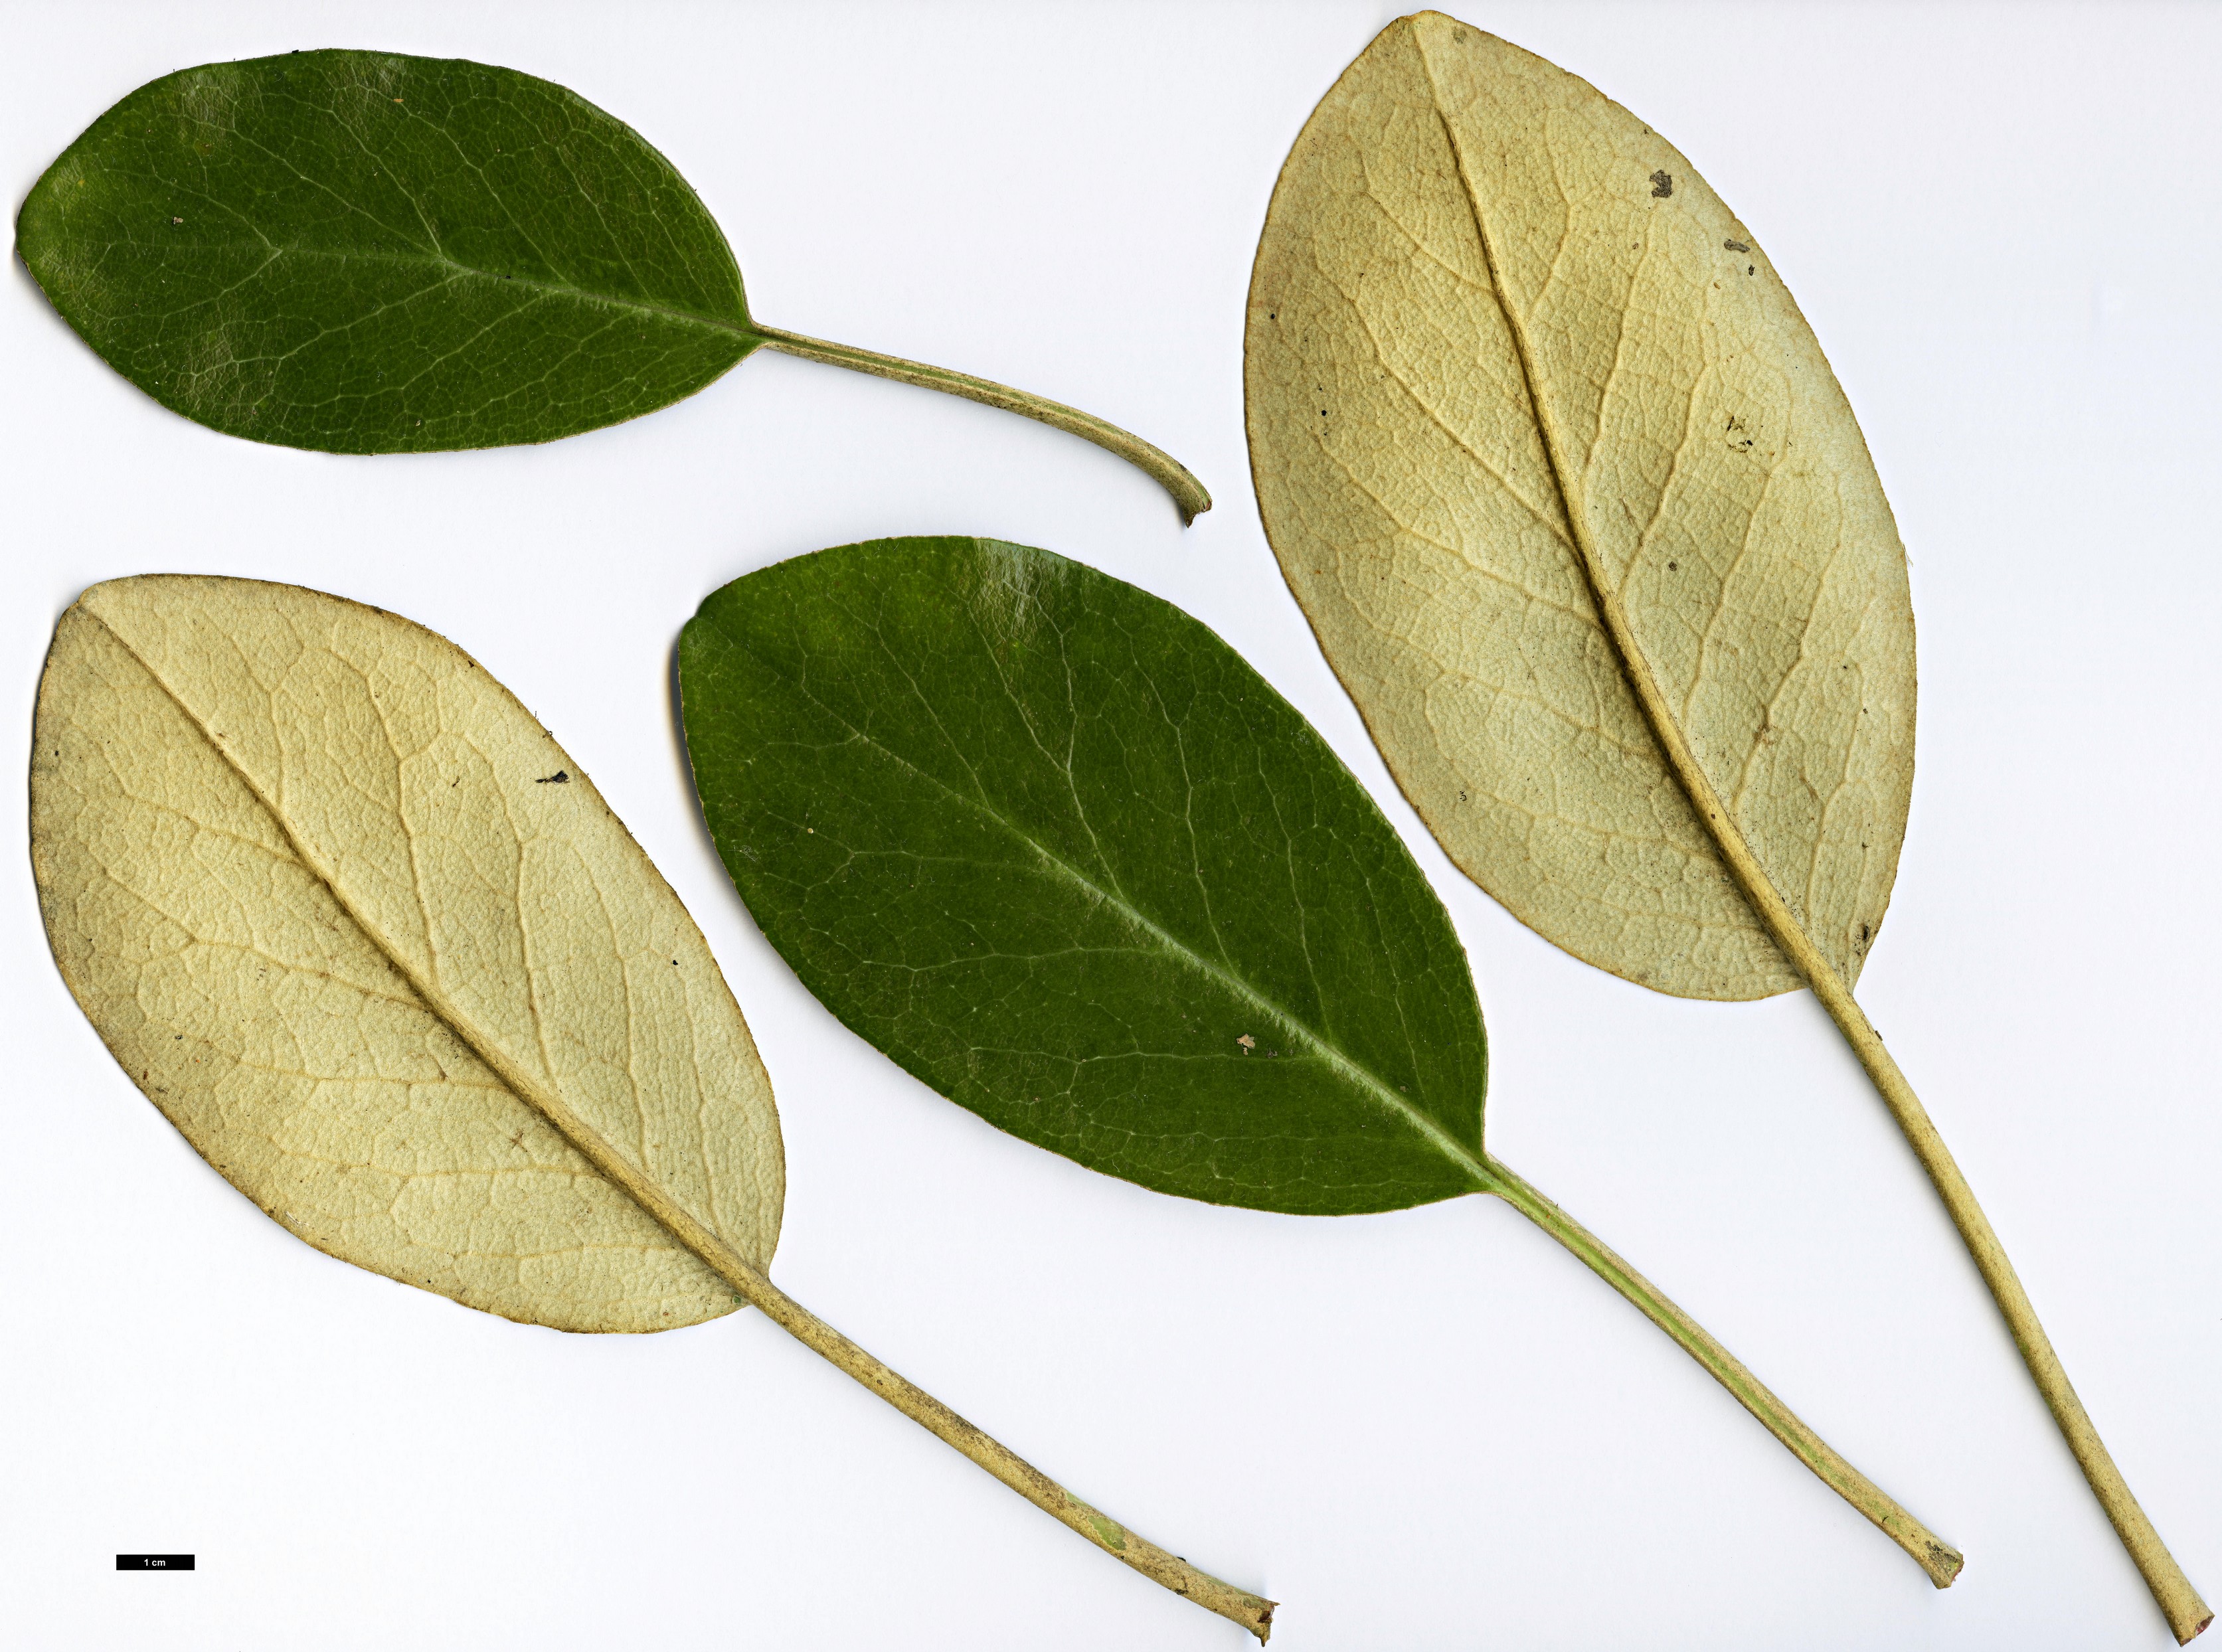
(367, 253)
(351, 918)
(1049, 843)
(1493, 314)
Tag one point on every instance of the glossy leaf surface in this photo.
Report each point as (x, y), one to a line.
(372, 941)
(1048, 842)
(367, 253)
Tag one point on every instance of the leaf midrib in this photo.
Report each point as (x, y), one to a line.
(1751, 879)
(271, 252)
(1471, 1161)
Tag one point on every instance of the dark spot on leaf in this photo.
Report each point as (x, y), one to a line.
(1673, 568)
(1662, 186)
(559, 778)
(1736, 246)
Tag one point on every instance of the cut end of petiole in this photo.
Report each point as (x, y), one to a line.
(2188, 1615)
(1252, 1612)
(1943, 1564)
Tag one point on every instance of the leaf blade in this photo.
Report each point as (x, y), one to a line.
(354, 251)
(168, 770)
(797, 679)
(1053, 847)
(1428, 528)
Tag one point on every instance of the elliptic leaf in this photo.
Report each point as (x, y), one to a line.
(1051, 844)
(1048, 842)
(367, 253)
(1496, 321)
(361, 929)
(1583, 520)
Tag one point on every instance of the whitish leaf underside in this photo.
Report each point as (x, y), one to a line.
(1496, 318)
(341, 907)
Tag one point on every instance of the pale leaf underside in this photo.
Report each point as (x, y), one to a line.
(340, 906)
(1452, 199)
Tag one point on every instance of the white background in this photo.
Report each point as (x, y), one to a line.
(1423, 1430)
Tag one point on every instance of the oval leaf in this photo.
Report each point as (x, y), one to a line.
(365, 253)
(1495, 322)
(360, 928)
(1052, 845)
(1049, 843)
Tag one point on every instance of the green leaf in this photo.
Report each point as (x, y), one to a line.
(360, 252)
(364, 252)
(1056, 848)
(1049, 843)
